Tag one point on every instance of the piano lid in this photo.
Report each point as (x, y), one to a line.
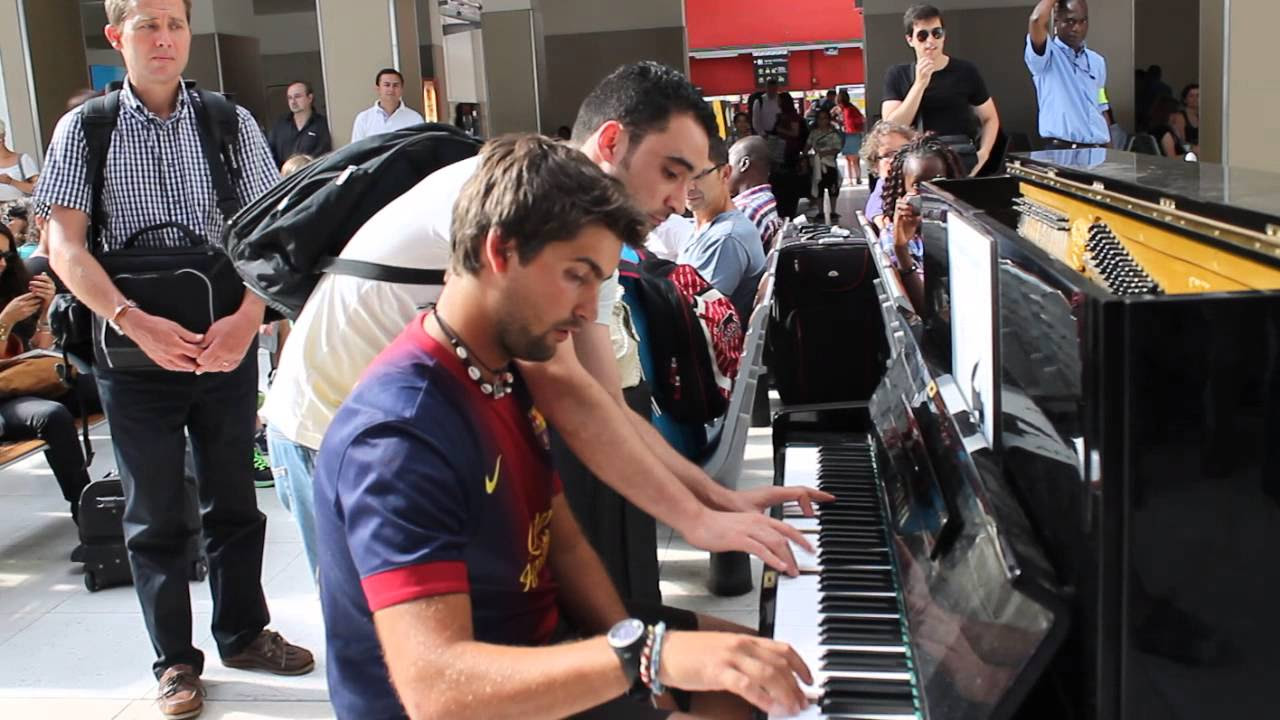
(1245, 198)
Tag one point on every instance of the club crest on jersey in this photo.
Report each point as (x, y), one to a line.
(539, 425)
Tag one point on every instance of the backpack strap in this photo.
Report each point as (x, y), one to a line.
(98, 122)
(219, 136)
(380, 272)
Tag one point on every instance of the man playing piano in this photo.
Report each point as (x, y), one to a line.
(454, 578)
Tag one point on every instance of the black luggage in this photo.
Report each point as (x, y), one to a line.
(106, 562)
(826, 341)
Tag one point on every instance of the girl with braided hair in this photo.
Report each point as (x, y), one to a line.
(923, 159)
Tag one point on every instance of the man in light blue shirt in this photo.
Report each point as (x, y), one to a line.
(725, 248)
(1070, 79)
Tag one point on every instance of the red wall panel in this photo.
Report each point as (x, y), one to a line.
(741, 23)
(806, 70)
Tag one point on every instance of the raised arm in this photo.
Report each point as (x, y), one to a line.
(1039, 27)
(903, 111)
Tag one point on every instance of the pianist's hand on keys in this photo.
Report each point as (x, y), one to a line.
(764, 672)
(739, 526)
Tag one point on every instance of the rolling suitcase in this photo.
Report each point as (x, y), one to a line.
(826, 341)
(106, 561)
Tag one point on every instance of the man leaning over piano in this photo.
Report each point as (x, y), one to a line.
(455, 581)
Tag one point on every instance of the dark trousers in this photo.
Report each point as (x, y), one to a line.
(148, 412)
(623, 536)
(27, 418)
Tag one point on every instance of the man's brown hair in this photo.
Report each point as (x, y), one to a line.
(535, 191)
(118, 10)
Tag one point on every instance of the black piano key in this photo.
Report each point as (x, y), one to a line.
(880, 690)
(837, 587)
(836, 621)
(840, 704)
(856, 604)
(863, 661)
(872, 638)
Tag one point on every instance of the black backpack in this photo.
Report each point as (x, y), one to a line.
(284, 240)
(695, 336)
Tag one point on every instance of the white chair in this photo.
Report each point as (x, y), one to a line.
(731, 572)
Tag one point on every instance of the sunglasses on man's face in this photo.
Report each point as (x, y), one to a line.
(937, 33)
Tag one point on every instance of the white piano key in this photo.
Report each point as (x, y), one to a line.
(803, 524)
(810, 562)
(796, 605)
(801, 466)
(813, 712)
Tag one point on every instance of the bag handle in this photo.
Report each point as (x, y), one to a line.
(194, 239)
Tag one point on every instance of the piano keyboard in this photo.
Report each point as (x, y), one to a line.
(843, 614)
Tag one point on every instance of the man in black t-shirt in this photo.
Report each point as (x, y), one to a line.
(941, 94)
(303, 131)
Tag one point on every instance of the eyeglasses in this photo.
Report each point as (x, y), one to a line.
(937, 33)
(707, 172)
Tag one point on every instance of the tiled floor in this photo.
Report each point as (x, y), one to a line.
(66, 653)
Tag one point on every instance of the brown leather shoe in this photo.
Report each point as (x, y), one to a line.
(274, 654)
(181, 693)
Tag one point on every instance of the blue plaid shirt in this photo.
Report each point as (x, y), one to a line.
(155, 172)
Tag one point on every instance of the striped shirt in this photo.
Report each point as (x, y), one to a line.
(155, 172)
(759, 205)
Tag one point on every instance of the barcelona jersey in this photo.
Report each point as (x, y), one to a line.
(426, 486)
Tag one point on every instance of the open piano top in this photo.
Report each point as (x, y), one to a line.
(928, 596)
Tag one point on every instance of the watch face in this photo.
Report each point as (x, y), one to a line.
(626, 633)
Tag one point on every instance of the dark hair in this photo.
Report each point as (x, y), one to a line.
(1187, 91)
(830, 93)
(787, 103)
(15, 279)
(377, 79)
(642, 96)
(718, 151)
(925, 146)
(535, 191)
(741, 114)
(918, 13)
(307, 86)
(1162, 110)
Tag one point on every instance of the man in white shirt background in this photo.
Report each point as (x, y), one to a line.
(389, 113)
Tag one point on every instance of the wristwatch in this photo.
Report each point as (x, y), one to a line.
(121, 309)
(627, 639)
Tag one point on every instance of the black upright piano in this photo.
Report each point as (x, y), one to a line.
(1063, 500)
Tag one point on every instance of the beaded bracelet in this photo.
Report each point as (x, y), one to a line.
(659, 634)
(645, 656)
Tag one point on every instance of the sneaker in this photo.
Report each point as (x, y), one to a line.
(271, 652)
(262, 476)
(181, 693)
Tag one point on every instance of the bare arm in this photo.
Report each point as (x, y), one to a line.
(1039, 25)
(586, 593)
(990, 120)
(27, 186)
(440, 671)
(904, 111)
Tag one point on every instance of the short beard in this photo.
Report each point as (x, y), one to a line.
(517, 342)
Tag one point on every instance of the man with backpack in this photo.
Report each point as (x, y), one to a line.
(646, 125)
(129, 230)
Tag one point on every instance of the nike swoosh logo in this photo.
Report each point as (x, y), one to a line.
(491, 481)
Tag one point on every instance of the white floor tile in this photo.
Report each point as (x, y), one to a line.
(237, 710)
(61, 708)
(12, 624)
(80, 656)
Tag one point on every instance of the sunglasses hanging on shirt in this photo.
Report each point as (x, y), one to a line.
(937, 33)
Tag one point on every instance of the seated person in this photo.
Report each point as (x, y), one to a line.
(752, 194)
(1167, 125)
(24, 300)
(454, 578)
(726, 248)
(882, 143)
(923, 159)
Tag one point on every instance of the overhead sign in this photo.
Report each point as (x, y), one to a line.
(771, 67)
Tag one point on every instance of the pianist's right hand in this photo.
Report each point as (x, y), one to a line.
(764, 672)
(751, 532)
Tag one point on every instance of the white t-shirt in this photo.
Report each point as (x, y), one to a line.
(375, 120)
(23, 170)
(347, 320)
(666, 240)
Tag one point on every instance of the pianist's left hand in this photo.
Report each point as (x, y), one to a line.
(763, 498)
